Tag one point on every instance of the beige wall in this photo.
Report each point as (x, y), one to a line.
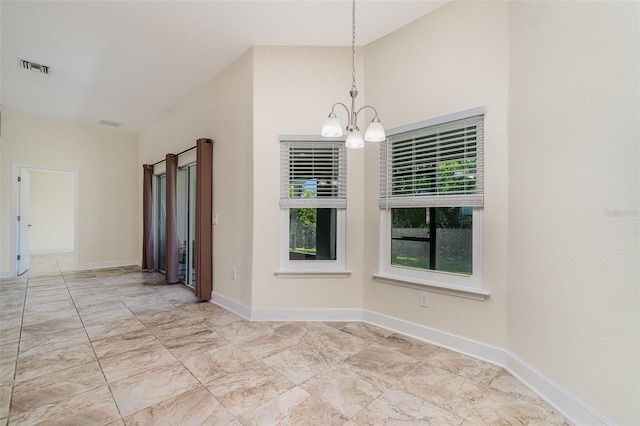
(221, 110)
(106, 161)
(294, 89)
(574, 301)
(561, 233)
(51, 211)
(454, 59)
(560, 261)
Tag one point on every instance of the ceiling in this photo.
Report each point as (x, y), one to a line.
(129, 62)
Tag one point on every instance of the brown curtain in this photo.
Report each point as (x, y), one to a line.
(147, 218)
(171, 248)
(204, 208)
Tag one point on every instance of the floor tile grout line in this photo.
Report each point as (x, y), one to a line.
(15, 370)
(420, 362)
(204, 385)
(147, 328)
(90, 343)
(98, 359)
(466, 371)
(20, 338)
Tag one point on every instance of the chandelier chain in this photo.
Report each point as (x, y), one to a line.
(333, 128)
(353, 43)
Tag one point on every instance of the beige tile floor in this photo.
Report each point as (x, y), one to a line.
(117, 346)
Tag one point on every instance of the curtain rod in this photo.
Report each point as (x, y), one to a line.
(175, 155)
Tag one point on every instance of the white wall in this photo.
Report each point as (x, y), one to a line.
(574, 138)
(106, 161)
(221, 110)
(454, 59)
(560, 262)
(294, 89)
(559, 82)
(51, 212)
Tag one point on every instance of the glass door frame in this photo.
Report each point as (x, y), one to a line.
(187, 276)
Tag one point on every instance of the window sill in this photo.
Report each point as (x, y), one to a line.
(313, 274)
(435, 288)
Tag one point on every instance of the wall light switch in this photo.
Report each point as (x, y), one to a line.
(214, 219)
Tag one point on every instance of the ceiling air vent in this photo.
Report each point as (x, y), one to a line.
(109, 123)
(33, 66)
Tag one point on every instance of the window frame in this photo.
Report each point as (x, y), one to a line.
(311, 268)
(470, 286)
(430, 277)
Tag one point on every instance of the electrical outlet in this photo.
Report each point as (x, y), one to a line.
(424, 300)
(234, 274)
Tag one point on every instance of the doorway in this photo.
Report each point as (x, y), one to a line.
(46, 213)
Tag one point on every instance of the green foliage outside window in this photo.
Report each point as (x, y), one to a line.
(450, 248)
(303, 223)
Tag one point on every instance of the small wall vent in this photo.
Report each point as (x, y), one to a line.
(33, 66)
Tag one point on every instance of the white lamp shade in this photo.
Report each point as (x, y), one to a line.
(354, 140)
(332, 128)
(375, 132)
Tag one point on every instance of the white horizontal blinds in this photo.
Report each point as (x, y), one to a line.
(436, 166)
(313, 174)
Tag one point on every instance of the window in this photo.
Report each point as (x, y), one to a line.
(431, 199)
(313, 203)
(432, 238)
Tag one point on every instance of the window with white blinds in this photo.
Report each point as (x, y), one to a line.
(440, 165)
(313, 174)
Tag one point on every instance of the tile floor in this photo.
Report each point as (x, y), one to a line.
(117, 346)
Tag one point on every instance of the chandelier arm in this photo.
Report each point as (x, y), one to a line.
(349, 114)
(368, 106)
(340, 103)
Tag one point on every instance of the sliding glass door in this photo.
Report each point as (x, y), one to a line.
(186, 202)
(186, 223)
(161, 221)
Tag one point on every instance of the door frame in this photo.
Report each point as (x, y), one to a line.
(184, 161)
(23, 225)
(15, 188)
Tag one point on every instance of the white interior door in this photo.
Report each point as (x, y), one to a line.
(23, 222)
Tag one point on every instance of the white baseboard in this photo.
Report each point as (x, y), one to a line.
(564, 402)
(51, 251)
(88, 266)
(301, 314)
(285, 314)
(7, 274)
(440, 338)
(232, 305)
(108, 264)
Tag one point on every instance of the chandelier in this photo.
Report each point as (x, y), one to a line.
(332, 127)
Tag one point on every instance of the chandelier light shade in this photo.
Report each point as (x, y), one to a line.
(375, 131)
(332, 127)
(354, 140)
